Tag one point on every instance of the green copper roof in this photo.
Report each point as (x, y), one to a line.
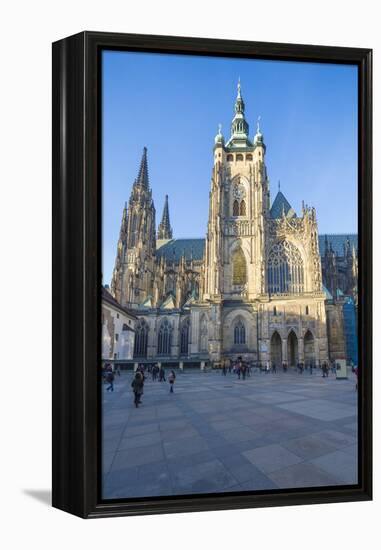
(239, 126)
(173, 249)
(337, 241)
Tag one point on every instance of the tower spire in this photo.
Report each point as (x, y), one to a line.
(165, 230)
(239, 126)
(142, 178)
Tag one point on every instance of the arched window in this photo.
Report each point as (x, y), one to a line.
(285, 273)
(230, 158)
(125, 327)
(239, 333)
(184, 338)
(235, 208)
(164, 339)
(242, 209)
(141, 339)
(239, 157)
(239, 267)
(249, 157)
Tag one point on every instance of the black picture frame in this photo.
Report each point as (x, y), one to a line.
(76, 272)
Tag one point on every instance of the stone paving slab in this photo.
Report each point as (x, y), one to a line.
(220, 434)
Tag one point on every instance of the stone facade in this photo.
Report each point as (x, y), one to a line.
(118, 333)
(253, 287)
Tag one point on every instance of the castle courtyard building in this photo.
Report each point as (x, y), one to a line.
(262, 283)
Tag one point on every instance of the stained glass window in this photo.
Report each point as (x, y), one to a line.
(285, 273)
(141, 339)
(239, 268)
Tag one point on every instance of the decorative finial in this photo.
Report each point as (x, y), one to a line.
(278, 185)
(258, 128)
(219, 128)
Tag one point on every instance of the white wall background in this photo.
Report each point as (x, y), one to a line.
(27, 30)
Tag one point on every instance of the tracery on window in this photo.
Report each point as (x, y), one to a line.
(164, 340)
(141, 339)
(285, 271)
(184, 337)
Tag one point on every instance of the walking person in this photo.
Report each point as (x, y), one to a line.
(171, 380)
(243, 367)
(110, 380)
(238, 367)
(154, 372)
(137, 387)
(325, 369)
(161, 374)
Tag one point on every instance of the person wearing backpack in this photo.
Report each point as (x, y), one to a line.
(171, 380)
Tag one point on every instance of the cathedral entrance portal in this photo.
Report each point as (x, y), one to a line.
(292, 349)
(309, 351)
(276, 349)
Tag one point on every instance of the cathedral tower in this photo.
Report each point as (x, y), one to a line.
(238, 207)
(132, 277)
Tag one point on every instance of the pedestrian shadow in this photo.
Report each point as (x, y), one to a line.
(42, 495)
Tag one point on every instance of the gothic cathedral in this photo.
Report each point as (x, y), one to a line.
(253, 287)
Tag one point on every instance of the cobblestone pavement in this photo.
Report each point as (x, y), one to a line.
(220, 434)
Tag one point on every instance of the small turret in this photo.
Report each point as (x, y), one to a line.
(219, 140)
(258, 138)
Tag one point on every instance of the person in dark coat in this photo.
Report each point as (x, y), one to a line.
(110, 380)
(161, 374)
(171, 380)
(137, 388)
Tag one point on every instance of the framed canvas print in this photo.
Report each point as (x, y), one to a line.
(212, 274)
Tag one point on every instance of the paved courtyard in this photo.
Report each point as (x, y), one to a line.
(220, 434)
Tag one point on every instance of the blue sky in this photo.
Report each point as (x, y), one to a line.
(172, 104)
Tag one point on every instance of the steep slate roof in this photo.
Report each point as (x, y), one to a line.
(281, 203)
(337, 240)
(175, 248)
